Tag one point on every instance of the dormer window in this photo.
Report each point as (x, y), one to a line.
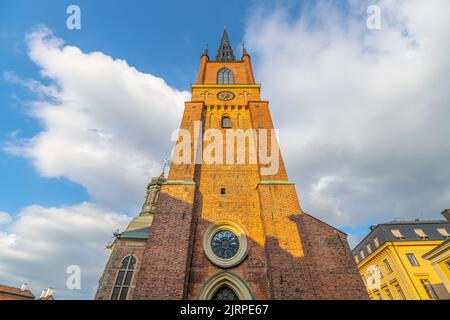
(397, 234)
(443, 232)
(376, 242)
(421, 234)
(225, 76)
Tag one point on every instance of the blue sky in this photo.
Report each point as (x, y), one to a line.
(164, 38)
(361, 114)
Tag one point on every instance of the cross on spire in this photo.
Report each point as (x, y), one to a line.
(225, 52)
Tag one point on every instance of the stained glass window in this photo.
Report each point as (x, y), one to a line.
(225, 293)
(225, 244)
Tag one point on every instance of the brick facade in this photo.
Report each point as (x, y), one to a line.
(291, 255)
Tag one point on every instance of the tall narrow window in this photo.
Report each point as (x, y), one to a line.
(225, 76)
(388, 293)
(387, 265)
(412, 259)
(123, 279)
(226, 122)
(361, 253)
(369, 248)
(429, 289)
(400, 292)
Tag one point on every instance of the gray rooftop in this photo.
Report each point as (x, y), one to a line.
(384, 234)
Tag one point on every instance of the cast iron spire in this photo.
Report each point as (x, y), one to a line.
(225, 52)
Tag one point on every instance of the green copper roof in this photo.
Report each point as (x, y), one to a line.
(135, 234)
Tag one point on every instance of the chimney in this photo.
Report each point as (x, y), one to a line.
(49, 292)
(43, 294)
(24, 287)
(446, 214)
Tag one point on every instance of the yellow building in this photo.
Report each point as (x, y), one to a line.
(390, 260)
(439, 258)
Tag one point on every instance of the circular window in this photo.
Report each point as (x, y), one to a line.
(225, 244)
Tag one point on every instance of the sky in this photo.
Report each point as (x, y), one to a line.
(86, 115)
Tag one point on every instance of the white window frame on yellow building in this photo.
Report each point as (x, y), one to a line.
(406, 276)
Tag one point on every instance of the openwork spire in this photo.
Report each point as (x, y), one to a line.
(225, 52)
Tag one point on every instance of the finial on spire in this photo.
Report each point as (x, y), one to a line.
(164, 167)
(205, 52)
(225, 52)
(244, 51)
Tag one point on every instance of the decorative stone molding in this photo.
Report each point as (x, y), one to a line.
(275, 182)
(182, 182)
(236, 230)
(229, 279)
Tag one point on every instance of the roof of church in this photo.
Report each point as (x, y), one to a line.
(225, 51)
(135, 234)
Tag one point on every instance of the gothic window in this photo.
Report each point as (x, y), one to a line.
(225, 293)
(225, 286)
(123, 279)
(225, 76)
(226, 122)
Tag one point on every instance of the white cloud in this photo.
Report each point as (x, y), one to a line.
(105, 125)
(4, 217)
(370, 138)
(39, 245)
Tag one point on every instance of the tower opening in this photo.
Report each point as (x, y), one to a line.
(226, 122)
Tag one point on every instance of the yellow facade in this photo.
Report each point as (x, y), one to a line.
(400, 279)
(439, 258)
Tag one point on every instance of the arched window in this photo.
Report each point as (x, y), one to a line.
(225, 76)
(225, 285)
(226, 122)
(123, 279)
(225, 293)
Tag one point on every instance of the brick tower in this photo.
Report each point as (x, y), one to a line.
(234, 229)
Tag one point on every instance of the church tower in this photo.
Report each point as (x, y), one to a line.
(228, 223)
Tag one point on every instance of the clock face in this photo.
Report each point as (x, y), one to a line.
(225, 95)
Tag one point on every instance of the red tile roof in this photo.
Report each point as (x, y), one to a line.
(16, 291)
